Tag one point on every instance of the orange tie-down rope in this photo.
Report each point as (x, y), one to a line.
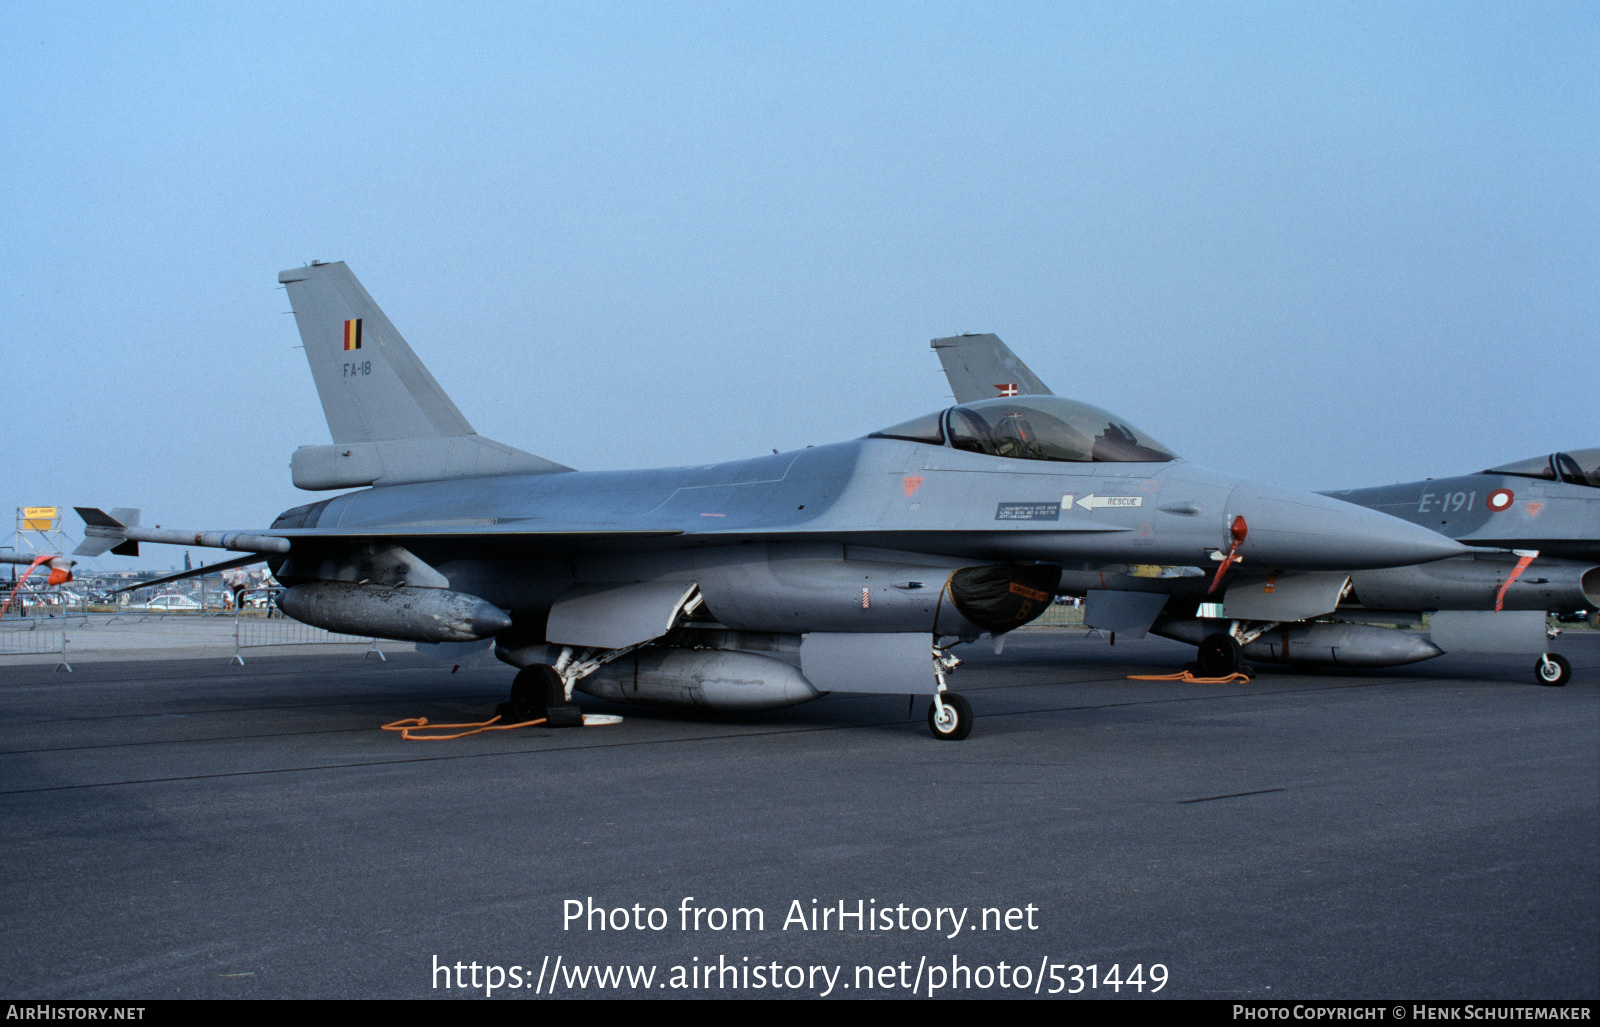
(1189, 679)
(410, 724)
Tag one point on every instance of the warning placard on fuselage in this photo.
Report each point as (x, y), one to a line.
(1028, 512)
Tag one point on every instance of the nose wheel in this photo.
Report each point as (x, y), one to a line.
(950, 717)
(1552, 670)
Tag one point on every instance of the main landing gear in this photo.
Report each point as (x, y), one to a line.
(537, 693)
(1552, 670)
(1218, 656)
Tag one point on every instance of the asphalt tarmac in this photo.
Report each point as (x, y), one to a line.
(189, 828)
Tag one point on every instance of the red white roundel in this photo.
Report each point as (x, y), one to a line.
(1500, 499)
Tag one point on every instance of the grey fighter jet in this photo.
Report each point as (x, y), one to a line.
(756, 584)
(1535, 524)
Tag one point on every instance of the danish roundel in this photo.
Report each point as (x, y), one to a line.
(1500, 499)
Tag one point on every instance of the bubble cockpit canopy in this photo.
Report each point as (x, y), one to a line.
(1034, 428)
(1575, 467)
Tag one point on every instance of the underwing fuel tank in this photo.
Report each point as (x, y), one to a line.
(708, 679)
(401, 612)
(1478, 583)
(1315, 643)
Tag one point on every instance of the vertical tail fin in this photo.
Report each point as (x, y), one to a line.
(390, 420)
(982, 367)
(373, 387)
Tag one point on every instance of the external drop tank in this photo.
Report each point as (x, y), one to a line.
(1313, 643)
(394, 611)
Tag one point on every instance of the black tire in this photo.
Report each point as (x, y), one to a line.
(958, 718)
(1555, 673)
(1218, 656)
(533, 691)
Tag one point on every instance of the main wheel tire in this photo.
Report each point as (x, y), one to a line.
(1552, 670)
(1218, 656)
(533, 691)
(956, 723)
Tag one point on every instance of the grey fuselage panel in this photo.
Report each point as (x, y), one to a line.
(900, 494)
(516, 540)
(520, 541)
(1504, 511)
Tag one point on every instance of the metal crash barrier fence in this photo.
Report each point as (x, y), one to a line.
(69, 608)
(47, 605)
(37, 623)
(25, 636)
(257, 622)
(34, 623)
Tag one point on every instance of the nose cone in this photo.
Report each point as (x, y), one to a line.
(1305, 531)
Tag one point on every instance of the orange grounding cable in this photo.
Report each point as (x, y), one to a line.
(1189, 679)
(410, 724)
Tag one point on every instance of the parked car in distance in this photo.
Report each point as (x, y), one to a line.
(172, 602)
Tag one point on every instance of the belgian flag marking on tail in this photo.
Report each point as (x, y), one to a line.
(352, 333)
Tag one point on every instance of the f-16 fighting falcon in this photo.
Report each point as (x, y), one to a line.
(757, 584)
(1535, 525)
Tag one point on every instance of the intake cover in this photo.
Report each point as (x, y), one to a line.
(1000, 598)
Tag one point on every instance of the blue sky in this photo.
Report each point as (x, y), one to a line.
(1321, 245)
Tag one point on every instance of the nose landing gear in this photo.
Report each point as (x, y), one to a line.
(1553, 670)
(950, 717)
